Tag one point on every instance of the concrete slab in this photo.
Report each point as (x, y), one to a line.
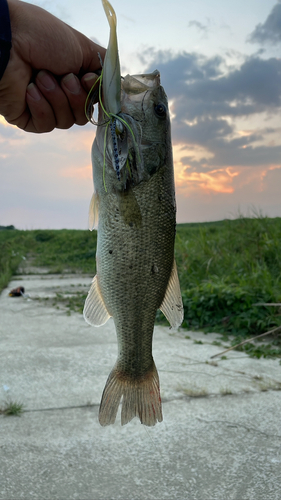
(221, 434)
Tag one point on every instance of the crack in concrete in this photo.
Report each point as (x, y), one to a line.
(235, 424)
(164, 400)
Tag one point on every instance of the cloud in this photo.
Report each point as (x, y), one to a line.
(270, 30)
(226, 137)
(207, 101)
(253, 188)
(202, 88)
(229, 154)
(8, 132)
(202, 28)
(225, 132)
(198, 25)
(179, 70)
(206, 93)
(218, 180)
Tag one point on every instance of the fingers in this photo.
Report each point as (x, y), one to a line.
(53, 105)
(88, 81)
(61, 116)
(91, 86)
(48, 104)
(77, 94)
(39, 115)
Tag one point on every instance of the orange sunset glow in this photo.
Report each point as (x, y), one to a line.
(223, 83)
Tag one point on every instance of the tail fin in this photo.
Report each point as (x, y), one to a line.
(141, 398)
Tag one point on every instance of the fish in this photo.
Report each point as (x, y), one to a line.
(134, 201)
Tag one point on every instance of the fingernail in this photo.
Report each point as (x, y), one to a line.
(46, 80)
(33, 92)
(72, 83)
(90, 78)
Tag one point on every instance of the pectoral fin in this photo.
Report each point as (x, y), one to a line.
(172, 306)
(95, 312)
(94, 212)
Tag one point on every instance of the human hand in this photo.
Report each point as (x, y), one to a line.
(50, 71)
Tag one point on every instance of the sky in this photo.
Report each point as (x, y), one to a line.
(220, 65)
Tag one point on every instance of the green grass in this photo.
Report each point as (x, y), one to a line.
(258, 350)
(58, 250)
(72, 302)
(12, 408)
(225, 269)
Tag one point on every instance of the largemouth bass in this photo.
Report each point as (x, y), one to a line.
(136, 272)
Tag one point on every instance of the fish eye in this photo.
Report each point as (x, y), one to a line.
(160, 110)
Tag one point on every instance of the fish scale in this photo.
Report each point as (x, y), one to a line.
(131, 289)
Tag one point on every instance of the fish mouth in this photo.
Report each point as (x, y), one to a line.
(132, 86)
(150, 80)
(136, 84)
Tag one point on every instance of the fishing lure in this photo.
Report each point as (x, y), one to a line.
(119, 127)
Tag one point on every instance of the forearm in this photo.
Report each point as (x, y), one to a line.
(5, 36)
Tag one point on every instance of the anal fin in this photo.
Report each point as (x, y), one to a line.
(172, 306)
(95, 312)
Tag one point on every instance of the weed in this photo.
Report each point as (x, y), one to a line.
(12, 408)
(212, 363)
(263, 387)
(71, 303)
(225, 391)
(226, 268)
(194, 392)
(267, 385)
(259, 350)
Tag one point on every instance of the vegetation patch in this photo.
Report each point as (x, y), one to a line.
(194, 392)
(228, 270)
(12, 408)
(267, 348)
(225, 391)
(72, 302)
(60, 251)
